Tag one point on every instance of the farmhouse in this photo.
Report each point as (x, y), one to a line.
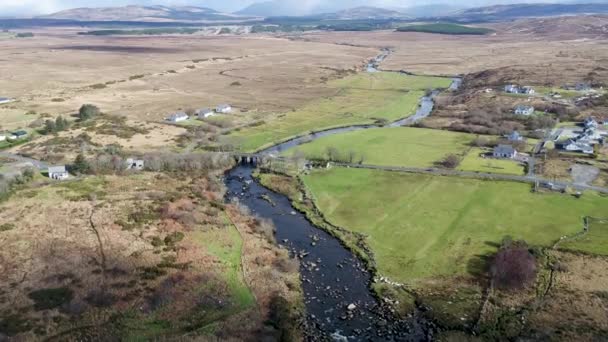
(590, 123)
(18, 135)
(512, 89)
(577, 146)
(58, 172)
(515, 136)
(582, 86)
(224, 108)
(5, 100)
(2, 137)
(134, 164)
(524, 110)
(515, 89)
(204, 113)
(504, 151)
(178, 117)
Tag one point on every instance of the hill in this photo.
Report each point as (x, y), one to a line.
(364, 12)
(565, 27)
(142, 13)
(510, 12)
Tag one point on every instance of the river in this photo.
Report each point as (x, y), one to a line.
(339, 301)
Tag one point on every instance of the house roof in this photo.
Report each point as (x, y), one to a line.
(204, 111)
(514, 134)
(523, 107)
(57, 169)
(223, 106)
(177, 115)
(20, 132)
(504, 149)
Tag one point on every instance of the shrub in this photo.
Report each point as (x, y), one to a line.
(80, 165)
(51, 298)
(513, 267)
(6, 227)
(173, 238)
(88, 111)
(451, 161)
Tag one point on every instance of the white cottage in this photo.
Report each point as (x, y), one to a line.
(58, 172)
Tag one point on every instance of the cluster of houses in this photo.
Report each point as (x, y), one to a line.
(16, 135)
(516, 89)
(60, 172)
(581, 86)
(200, 113)
(585, 141)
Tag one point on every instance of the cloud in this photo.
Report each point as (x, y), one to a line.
(25, 7)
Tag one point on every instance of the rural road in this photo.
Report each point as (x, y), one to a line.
(37, 163)
(479, 175)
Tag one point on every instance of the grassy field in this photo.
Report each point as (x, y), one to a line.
(226, 245)
(358, 99)
(473, 161)
(399, 146)
(422, 226)
(594, 242)
(445, 29)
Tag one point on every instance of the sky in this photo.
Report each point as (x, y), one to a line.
(34, 7)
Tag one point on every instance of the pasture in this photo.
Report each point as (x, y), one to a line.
(422, 226)
(358, 99)
(399, 146)
(473, 161)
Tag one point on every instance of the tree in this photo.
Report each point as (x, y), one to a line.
(513, 267)
(87, 112)
(49, 127)
(451, 161)
(61, 124)
(80, 165)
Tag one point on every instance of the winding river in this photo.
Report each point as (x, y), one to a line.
(339, 301)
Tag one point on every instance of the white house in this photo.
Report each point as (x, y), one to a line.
(512, 89)
(504, 151)
(134, 164)
(178, 117)
(17, 135)
(204, 113)
(524, 110)
(58, 172)
(5, 100)
(2, 137)
(527, 90)
(224, 108)
(515, 136)
(577, 146)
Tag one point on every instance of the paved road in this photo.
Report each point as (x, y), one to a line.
(479, 175)
(37, 163)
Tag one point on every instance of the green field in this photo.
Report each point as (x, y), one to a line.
(474, 162)
(399, 146)
(595, 241)
(422, 226)
(445, 29)
(226, 245)
(360, 99)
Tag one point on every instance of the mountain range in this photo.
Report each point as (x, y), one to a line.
(143, 13)
(276, 8)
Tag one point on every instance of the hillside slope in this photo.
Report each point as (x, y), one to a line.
(141, 13)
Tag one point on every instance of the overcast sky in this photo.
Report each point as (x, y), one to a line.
(33, 7)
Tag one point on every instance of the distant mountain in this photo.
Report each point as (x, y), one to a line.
(269, 9)
(509, 12)
(434, 10)
(364, 12)
(142, 13)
